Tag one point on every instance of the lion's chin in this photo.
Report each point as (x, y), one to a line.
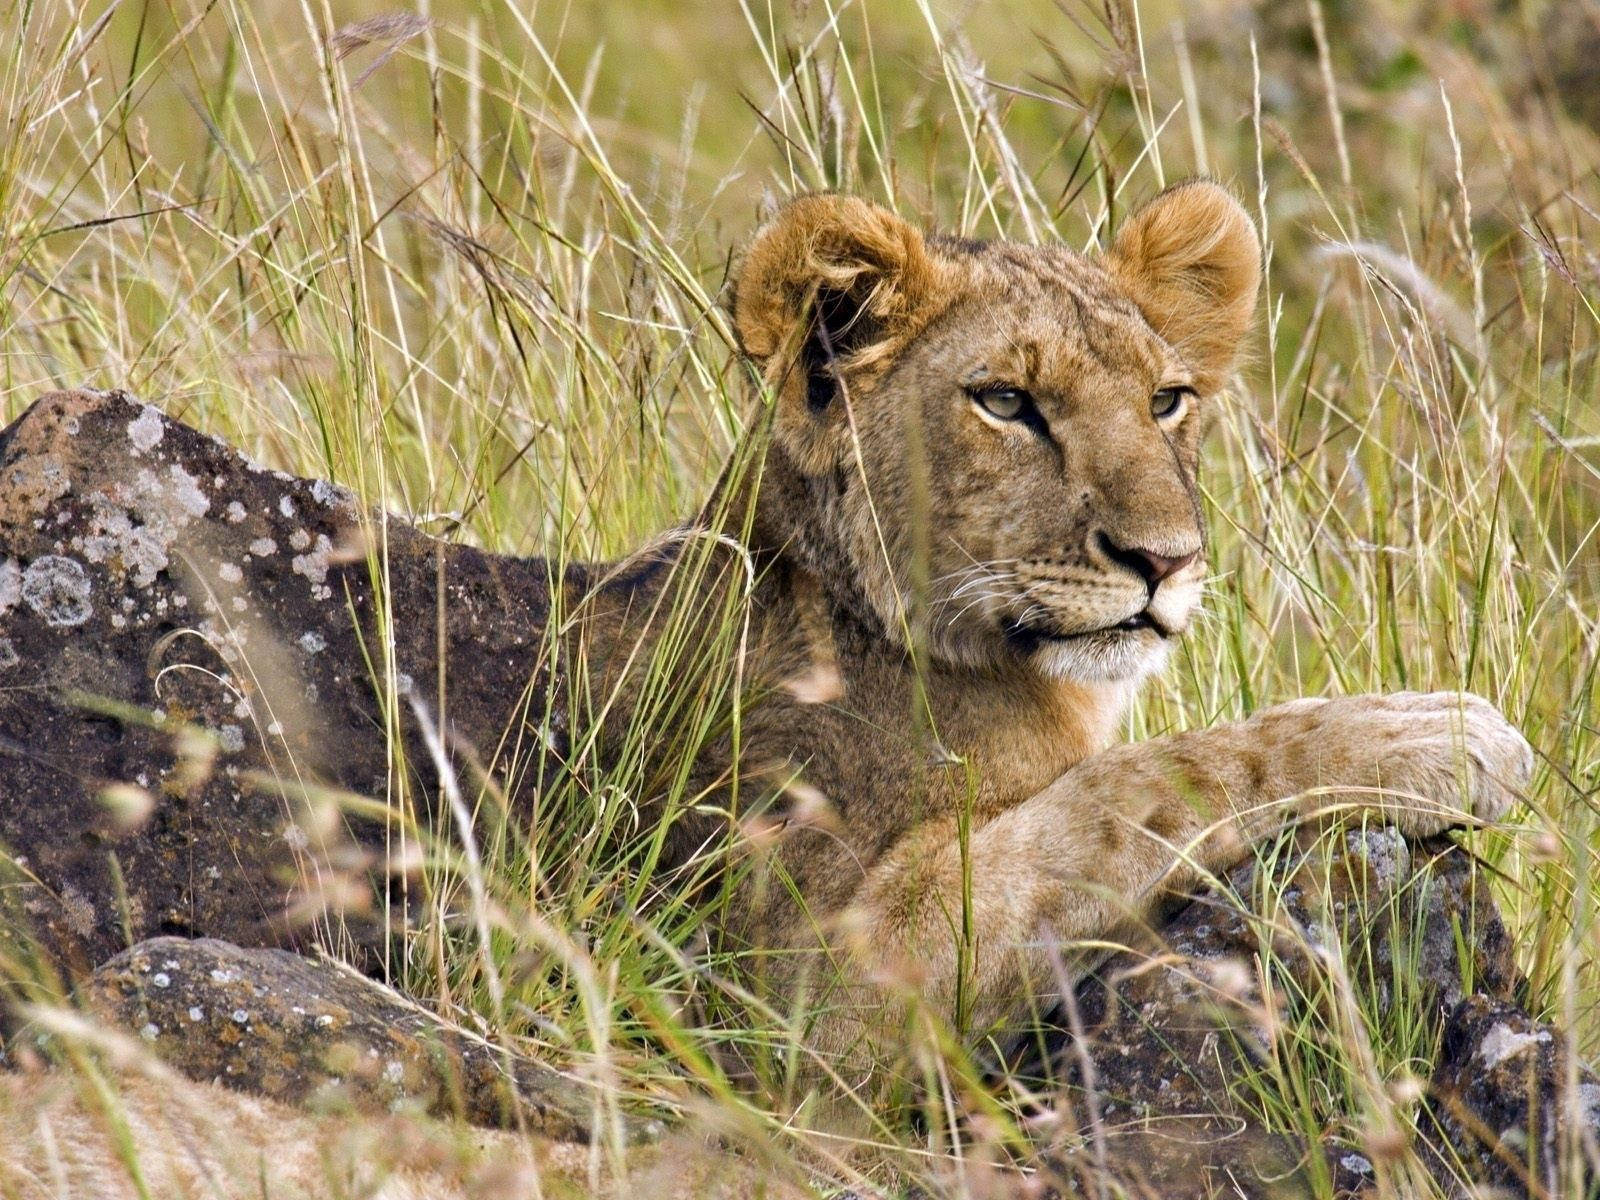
(1106, 656)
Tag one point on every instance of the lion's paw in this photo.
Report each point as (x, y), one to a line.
(1426, 760)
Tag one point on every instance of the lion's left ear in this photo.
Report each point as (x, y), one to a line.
(1191, 261)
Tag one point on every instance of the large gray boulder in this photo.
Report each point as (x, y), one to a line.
(193, 680)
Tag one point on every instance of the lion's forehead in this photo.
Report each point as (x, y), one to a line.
(1037, 312)
(1049, 274)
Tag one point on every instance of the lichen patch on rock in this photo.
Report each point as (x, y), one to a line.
(1503, 1042)
(145, 430)
(57, 588)
(186, 491)
(10, 585)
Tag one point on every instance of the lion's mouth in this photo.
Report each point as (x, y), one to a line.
(1143, 620)
(1027, 635)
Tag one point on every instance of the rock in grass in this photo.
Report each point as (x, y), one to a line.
(193, 684)
(1172, 1038)
(1514, 1108)
(316, 1033)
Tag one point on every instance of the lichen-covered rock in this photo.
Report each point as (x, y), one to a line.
(1169, 1035)
(1516, 1111)
(192, 672)
(275, 1024)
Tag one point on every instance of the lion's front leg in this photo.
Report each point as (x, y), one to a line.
(1100, 845)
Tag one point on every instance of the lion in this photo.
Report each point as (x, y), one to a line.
(965, 529)
(983, 471)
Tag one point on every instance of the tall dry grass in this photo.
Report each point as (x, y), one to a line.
(470, 259)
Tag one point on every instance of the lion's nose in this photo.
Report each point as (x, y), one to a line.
(1147, 564)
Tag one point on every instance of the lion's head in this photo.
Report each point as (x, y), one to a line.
(997, 443)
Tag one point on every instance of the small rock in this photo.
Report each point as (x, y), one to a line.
(1166, 1038)
(381, 1053)
(1502, 1094)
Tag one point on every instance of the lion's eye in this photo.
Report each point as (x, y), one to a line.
(1169, 402)
(1005, 404)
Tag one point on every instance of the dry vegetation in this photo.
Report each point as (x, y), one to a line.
(470, 262)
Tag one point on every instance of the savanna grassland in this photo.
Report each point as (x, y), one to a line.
(471, 260)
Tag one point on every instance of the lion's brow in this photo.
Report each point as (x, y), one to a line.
(1102, 317)
(1106, 321)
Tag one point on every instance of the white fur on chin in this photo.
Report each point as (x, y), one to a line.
(1106, 658)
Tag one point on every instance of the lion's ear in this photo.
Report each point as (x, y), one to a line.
(831, 285)
(1191, 261)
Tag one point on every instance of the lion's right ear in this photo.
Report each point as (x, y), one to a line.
(829, 289)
